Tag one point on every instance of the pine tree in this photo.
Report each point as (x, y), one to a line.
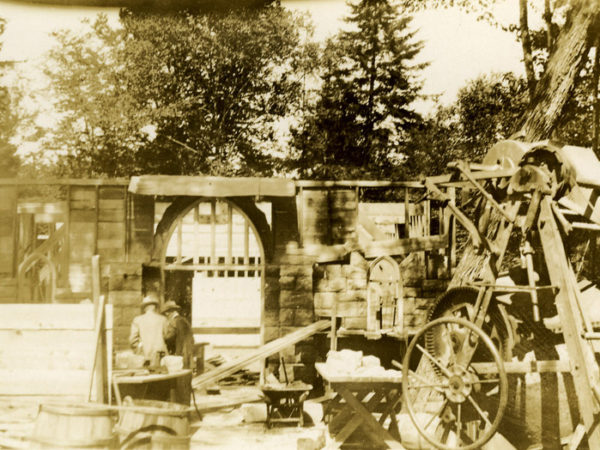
(369, 80)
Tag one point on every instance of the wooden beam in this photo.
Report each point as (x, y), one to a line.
(259, 354)
(393, 247)
(449, 180)
(516, 367)
(64, 181)
(585, 369)
(204, 186)
(359, 183)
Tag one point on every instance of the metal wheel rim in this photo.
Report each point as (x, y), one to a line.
(502, 385)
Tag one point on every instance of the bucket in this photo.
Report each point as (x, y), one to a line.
(154, 419)
(74, 426)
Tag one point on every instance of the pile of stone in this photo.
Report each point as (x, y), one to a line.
(350, 362)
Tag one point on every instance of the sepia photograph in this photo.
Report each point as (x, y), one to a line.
(300, 224)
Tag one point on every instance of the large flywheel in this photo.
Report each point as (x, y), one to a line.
(449, 402)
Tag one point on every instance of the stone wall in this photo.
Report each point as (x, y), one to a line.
(124, 282)
(346, 286)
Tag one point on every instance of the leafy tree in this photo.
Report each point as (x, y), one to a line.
(179, 93)
(487, 109)
(99, 131)
(369, 80)
(9, 162)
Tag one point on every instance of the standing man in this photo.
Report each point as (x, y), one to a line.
(179, 336)
(148, 330)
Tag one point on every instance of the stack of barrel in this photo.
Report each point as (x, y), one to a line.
(142, 424)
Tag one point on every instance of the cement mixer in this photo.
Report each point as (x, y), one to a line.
(531, 218)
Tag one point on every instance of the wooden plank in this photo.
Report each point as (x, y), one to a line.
(47, 317)
(64, 181)
(196, 240)
(213, 231)
(264, 351)
(112, 193)
(585, 370)
(359, 183)
(394, 247)
(371, 228)
(228, 260)
(524, 367)
(57, 208)
(212, 186)
(97, 373)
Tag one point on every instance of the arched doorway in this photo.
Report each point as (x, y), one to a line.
(212, 256)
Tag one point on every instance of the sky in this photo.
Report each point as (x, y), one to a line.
(456, 46)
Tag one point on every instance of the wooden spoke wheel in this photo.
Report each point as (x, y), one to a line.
(449, 403)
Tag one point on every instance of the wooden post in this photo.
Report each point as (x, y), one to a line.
(333, 345)
(584, 368)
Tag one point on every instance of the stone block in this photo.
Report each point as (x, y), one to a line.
(354, 323)
(124, 315)
(353, 295)
(124, 282)
(357, 282)
(354, 271)
(271, 300)
(325, 300)
(129, 268)
(271, 333)
(295, 271)
(298, 260)
(287, 282)
(271, 318)
(124, 298)
(303, 317)
(289, 299)
(352, 309)
(304, 284)
(286, 316)
(271, 271)
(334, 270)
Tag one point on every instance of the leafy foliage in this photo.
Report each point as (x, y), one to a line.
(487, 109)
(178, 93)
(369, 81)
(9, 162)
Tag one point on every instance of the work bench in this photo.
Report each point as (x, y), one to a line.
(368, 402)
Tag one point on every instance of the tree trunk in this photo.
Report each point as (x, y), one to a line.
(595, 79)
(548, 20)
(526, 45)
(555, 86)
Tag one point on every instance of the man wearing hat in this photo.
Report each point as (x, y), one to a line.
(148, 330)
(179, 336)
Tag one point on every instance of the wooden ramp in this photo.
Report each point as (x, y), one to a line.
(260, 353)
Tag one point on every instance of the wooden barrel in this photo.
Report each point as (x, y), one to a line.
(156, 441)
(75, 426)
(160, 422)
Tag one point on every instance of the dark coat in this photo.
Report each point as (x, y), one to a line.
(180, 339)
